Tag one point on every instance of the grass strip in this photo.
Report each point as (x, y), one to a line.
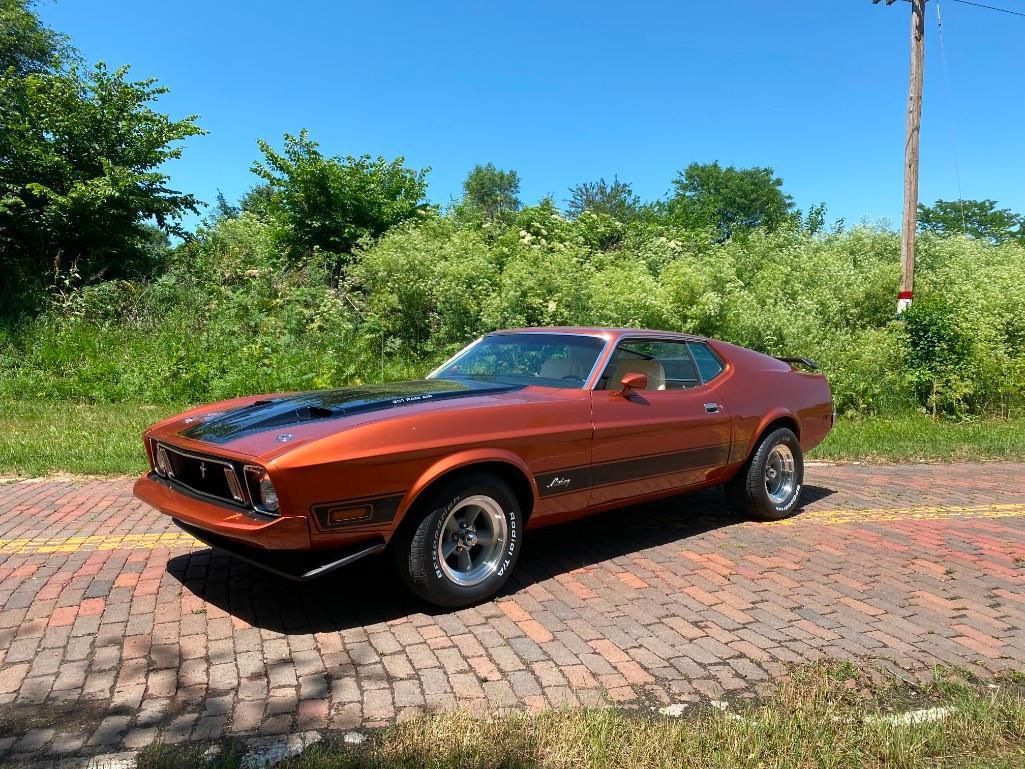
(45, 437)
(823, 715)
(918, 438)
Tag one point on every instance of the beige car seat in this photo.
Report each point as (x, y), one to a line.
(562, 368)
(651, 368)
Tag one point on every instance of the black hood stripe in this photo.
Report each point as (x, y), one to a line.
(303, 408)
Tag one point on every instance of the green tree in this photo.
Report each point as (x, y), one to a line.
(26, 46)
(728, 200)
(257, 201)
(616, 199)
(977, 218)
(81, 154)
(939, 354)
(223, 209)
(492, 190)
(331, 203)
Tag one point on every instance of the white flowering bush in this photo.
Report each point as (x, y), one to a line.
(232, 316)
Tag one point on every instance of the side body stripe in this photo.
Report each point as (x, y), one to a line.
(572, 479)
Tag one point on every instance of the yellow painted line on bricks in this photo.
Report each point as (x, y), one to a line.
(96, 542)
(918, 513)
(32, 546)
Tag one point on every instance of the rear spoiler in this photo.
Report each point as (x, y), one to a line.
(806, 362)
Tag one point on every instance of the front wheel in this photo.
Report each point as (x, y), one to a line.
(768, 486)
(465, 543)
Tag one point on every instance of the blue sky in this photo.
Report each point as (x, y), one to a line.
(565, 92)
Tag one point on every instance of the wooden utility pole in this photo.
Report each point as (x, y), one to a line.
(913, 127)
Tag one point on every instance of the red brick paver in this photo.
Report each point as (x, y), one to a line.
(116, 628)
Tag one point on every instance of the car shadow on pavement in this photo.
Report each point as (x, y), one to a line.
(812, 494)
(369, 592)
(72, 717)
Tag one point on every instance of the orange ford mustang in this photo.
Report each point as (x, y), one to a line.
(522, 428)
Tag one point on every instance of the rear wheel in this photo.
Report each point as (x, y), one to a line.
(464, 544)
(768, 486)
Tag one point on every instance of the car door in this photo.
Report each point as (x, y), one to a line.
(671, 435)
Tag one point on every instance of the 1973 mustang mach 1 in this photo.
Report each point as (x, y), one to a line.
(522, 428)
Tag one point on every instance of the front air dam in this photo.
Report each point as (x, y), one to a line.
(299, 565)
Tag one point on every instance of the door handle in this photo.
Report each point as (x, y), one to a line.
(713, 408)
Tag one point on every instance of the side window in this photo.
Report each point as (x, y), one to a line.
(708, 364)
(667, 364)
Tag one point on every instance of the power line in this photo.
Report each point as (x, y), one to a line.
(990, 7)
(950, 118)
(977, 5)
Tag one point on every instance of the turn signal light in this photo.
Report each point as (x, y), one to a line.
(337, 515)
(164, 466)
(233, 485)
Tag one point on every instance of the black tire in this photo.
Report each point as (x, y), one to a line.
(749, 490)
(417, 547)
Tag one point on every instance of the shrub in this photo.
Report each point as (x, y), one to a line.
(232, 315)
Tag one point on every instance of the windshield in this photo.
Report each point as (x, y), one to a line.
(551, 360)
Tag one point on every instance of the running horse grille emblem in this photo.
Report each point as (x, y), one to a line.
(202, 470)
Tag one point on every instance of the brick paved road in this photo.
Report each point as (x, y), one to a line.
(115, 626)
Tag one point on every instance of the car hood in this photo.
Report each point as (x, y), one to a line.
(284, 411)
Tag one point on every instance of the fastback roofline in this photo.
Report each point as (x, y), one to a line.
(611, 337)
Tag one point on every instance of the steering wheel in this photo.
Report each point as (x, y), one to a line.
(575, 378)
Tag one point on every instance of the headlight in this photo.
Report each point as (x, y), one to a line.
(164, 467)
(268, 496)
(262, 494)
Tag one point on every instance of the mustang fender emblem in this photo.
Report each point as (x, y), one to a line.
(558, 482)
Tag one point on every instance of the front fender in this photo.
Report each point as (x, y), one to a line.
(457, 461)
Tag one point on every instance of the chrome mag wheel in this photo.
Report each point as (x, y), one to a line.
(780, 474)
(473, 538)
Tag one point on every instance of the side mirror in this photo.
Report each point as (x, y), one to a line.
(633, 381)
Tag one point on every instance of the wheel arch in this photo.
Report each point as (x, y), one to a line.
(506, 465)
(773, 421)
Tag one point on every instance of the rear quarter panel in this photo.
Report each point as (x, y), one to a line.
(763, 389)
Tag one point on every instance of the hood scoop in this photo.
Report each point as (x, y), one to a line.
(293, 416)
(302, 408)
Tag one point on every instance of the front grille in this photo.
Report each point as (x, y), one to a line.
(204, 475)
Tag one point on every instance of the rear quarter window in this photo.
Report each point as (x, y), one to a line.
(709, 365)
(680, 373)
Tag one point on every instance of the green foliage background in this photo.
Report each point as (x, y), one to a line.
(233, 313)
